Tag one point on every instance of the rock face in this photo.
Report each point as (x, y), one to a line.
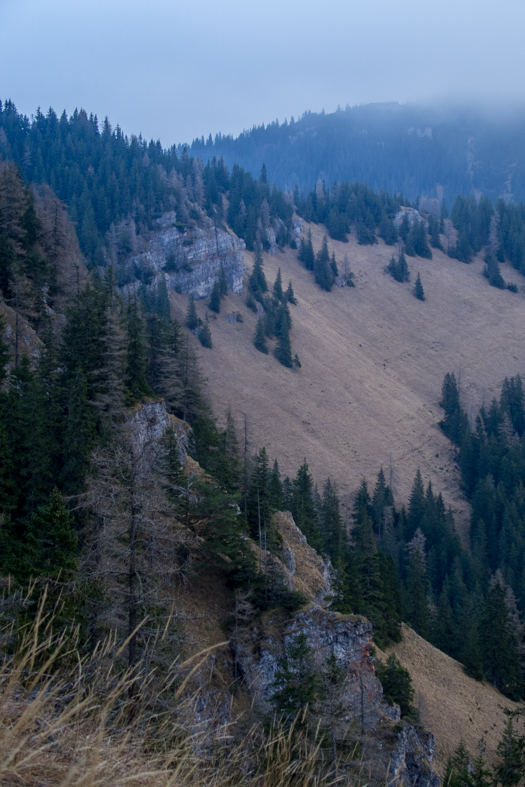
(411, 760)
(147, 424)
(190, 260)
(412, 214)
(259, 652)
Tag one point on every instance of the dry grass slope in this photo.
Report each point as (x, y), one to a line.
(373, 361)
(452, 705)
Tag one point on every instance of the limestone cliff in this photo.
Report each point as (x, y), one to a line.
(189, 260)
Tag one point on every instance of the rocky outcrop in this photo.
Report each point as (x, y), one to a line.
(147, 424)
(411, 761)
(189, 260)
(412, 215)
(260, 650)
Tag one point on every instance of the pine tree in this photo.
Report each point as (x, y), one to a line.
(259, 340)
(296, 683)
(306, 252)
(223, 283)
(283, 349)
(419, 238)
(511, 752)
(192, 320)
(418, 289)
(398, 269)
(302, 506)
(278, 287)
(322, 271)
(52, 549)
(135, 372)
(397, 685)
(215, 298)
(498, 644)
(418, 613)
(205, 335)
(290, 295)
(257, 284)
(492, 272)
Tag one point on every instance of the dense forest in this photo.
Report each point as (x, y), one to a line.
(435, 152)
(105, 177)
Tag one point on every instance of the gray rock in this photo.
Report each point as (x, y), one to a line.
(259, 651)
(411, 760)
(196, 255)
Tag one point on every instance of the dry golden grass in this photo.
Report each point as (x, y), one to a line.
(71, 721)
(373, 362)
(451, 705)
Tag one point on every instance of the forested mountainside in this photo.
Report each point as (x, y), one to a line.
(434, 152)
(124, 500)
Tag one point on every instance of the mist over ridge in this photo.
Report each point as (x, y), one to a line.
(438, 149)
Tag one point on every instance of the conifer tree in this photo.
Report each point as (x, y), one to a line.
(205, 335)
(283, 349)
(223, 283)
(257, 284)
(259, 340)
(215, 298)
(492, 272)
(296, 683)
(135, 372)
(498, 645)
(398, 269)
(397, 685)
(418, 289)
(419, 239)
(418, 613)
(322, 271)
(278, 293)
(52, 549)
(302, 506)
(192, 320)
(289, 295)
(306, 252)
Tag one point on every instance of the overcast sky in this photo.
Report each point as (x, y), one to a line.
(176, 70)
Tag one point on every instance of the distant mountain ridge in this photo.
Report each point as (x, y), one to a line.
(412, 149)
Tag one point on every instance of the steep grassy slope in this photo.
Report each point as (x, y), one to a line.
(451, 705)
(373, 361)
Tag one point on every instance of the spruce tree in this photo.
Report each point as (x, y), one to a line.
(302, 506)
(283, 349)
(278, 287)
(257, 284)
(259, 340)
(398, 269)
(136, 364)
(296, 683)
(52, 550)
(205, 335)
(322, 272)
(192, 320)
(499, 649)
(492, 272)
(290, 295)
(418, 289)
(223, 283)
(306, 252)
(215, 298)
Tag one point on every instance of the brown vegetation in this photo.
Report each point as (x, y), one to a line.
(373, 362)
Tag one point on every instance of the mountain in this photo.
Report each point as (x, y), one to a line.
(437, 152)
(373, 361)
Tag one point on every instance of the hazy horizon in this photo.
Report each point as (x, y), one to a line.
(175, 72)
